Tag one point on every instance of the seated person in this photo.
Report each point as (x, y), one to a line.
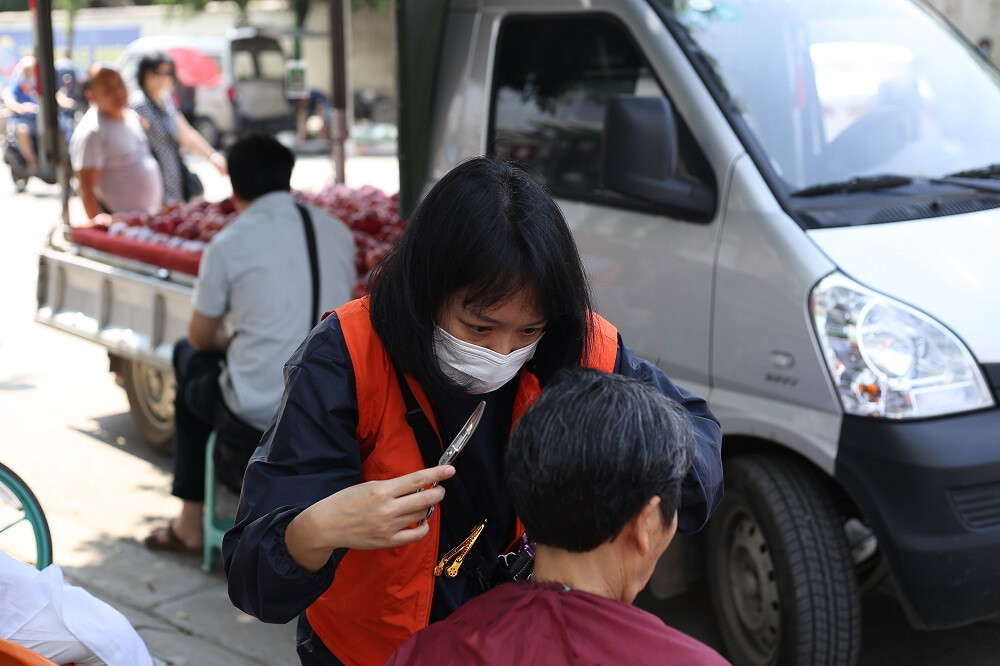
(21, 98)
(594, 470)
(110, 152)
(62, 622)
(256, 274)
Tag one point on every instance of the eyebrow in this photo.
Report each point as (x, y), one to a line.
(478, 314)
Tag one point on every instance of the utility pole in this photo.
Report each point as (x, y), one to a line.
(51, 153)
(301, 11)
(338, 87)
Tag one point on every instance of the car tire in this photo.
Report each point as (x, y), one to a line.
(150, 393)
(780, 574)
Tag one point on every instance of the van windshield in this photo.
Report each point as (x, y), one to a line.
(835, 90)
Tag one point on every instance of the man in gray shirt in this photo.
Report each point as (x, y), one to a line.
(110, 152)
(256, 274)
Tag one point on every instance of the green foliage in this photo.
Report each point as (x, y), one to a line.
(198, 5)
(71, 7)
(377, 5)
(13, 5)
(191, 5)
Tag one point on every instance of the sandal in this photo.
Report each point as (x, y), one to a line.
(173, 542)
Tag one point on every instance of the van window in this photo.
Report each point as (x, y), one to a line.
(549, 97)
(258, 58)
(243, 66)
(271, 64)
(832, 91)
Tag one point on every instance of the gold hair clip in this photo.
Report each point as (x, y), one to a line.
(459, 552)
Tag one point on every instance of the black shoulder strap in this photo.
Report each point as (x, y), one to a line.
(462, 514)
(430, 450)
(307, 224)
(423, 431)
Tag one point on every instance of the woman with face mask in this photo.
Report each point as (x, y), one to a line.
(483, 299)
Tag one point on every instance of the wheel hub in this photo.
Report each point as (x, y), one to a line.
(159, 393)
(754, 590)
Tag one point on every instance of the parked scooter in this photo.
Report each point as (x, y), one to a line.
(19, 172)
(69, 100)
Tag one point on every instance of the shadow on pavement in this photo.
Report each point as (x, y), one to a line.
(17, 383)
(886, 636)
(117, 430)
(888, 640)
(183, 615)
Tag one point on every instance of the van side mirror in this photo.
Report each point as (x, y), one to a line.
(639, 157)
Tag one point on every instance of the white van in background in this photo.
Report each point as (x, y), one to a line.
(251, 94)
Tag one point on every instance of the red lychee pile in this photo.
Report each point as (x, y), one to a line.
(370, 214)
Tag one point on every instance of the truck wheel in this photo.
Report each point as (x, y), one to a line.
(780, 574)
(151, 399)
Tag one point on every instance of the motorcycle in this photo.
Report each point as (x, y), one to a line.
(71, 100)
(19, 172)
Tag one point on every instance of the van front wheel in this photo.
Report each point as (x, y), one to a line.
(780, 574)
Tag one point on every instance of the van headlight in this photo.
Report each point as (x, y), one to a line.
(890, 360)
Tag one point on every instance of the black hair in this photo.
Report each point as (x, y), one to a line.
(590, 453)
(150, 62)
(259, 164)
(490, 228)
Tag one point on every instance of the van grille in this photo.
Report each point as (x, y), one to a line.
(993, 375)
(934, 208)
(978, 506)
(992, 372)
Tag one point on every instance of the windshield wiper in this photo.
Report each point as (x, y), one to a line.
(970, 183)
(862, 184)
(991, 171)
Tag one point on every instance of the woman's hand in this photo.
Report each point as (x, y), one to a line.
(367, 516)
(188, 137)
(219, 162)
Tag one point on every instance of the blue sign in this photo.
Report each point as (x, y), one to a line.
(90, 44)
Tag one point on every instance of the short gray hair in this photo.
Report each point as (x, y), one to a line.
(591, 452)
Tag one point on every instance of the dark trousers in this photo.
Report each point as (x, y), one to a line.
(310, 648)
(199, 409)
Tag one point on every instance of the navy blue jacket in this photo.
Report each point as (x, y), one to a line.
(310, 452)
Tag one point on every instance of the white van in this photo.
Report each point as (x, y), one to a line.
(251, 95)
(793, 207)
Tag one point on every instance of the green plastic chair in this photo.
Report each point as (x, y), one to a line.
(215, 526)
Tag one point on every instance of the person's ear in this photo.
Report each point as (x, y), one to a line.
(646, 522)
(650, 532)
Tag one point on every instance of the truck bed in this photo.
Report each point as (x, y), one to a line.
(136, 310)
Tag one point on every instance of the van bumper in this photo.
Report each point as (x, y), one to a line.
(931, 492)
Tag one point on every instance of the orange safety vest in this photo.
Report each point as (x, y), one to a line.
(379, 598)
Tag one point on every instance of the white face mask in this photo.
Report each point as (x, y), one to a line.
(477, 369)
